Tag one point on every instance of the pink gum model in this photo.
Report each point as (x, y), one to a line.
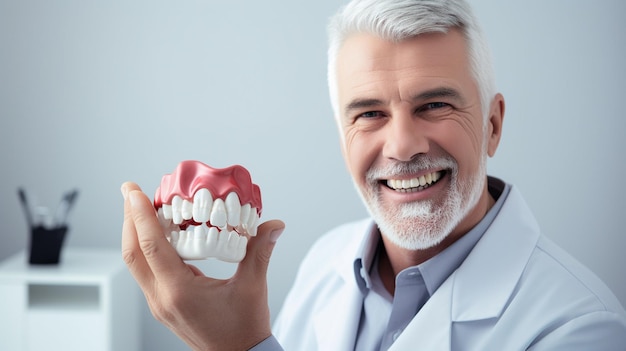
(207, 212)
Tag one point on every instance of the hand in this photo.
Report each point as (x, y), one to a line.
(206, 313)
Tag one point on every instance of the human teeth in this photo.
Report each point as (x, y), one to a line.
(202, 202)
(186, 210)
(218, 214)
(233, 209)
(177, 203)
(404, 184)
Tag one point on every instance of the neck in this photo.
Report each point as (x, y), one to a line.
(393, 259)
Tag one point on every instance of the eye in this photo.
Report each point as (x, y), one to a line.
(370, 114)
(433, 106)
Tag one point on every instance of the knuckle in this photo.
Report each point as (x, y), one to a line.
(149, 247)
(264, 255)
(129, 257)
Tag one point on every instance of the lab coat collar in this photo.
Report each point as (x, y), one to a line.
(482, 286)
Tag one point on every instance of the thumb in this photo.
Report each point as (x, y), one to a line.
(259, 250)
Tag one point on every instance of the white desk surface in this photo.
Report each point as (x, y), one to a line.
(78, 265)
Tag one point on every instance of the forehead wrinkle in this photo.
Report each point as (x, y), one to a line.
(366, 94)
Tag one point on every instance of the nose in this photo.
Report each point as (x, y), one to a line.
(405, 138)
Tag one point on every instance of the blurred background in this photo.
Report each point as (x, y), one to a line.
(96, 93)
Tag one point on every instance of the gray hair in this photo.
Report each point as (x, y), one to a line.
(397, 20)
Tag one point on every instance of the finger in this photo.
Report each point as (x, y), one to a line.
(163, 260)
(259, 250)
(131, 252)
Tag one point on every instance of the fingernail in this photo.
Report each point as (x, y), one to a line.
(124, 191)
(275, 234)
(133, 198)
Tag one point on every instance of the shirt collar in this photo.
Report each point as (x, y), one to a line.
(438, 268)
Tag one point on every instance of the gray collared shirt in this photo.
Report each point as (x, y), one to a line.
(384, 317)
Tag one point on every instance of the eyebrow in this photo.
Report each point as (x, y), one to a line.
(358, 104)
(442, 92)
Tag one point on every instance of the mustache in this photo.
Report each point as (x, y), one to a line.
(418, 164)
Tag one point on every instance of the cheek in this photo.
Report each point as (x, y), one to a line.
(462, 141)
(359, 153)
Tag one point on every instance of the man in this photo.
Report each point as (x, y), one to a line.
(450, 260)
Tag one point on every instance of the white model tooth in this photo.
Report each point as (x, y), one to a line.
(177, 203)
(167, 211)
(429, 178)
(202, 202)
(200, 232)
(243, 243)
(186, 209)
(218, 213)
(233, 209)
(253, 220)
(181, 242)
(185, 245)
(245, 213)
(415, 183)
(199, 241)
(230, 251)
(173, 237)
(164, 222)
(237, 248)
(211, 241)
(169, 228)
(222, 243)
(233, 241)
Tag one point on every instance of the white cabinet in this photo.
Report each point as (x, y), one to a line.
(87, 302)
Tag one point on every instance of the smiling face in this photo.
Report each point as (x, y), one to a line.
(413, 135)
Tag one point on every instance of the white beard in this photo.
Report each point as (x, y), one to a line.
(424, 224)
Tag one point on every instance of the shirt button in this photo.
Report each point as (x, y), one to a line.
(396, 334)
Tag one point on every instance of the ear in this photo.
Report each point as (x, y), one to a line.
(496, 117)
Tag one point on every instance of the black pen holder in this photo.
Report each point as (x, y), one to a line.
(46, 244)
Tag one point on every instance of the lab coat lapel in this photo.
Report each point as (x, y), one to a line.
(484, 283)
(337, 322)
(481, 287)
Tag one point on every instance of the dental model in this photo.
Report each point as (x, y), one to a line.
(207, 212)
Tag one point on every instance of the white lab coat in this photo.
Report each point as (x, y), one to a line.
(515, 291)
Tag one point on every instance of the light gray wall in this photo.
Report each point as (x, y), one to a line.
(93, 94)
